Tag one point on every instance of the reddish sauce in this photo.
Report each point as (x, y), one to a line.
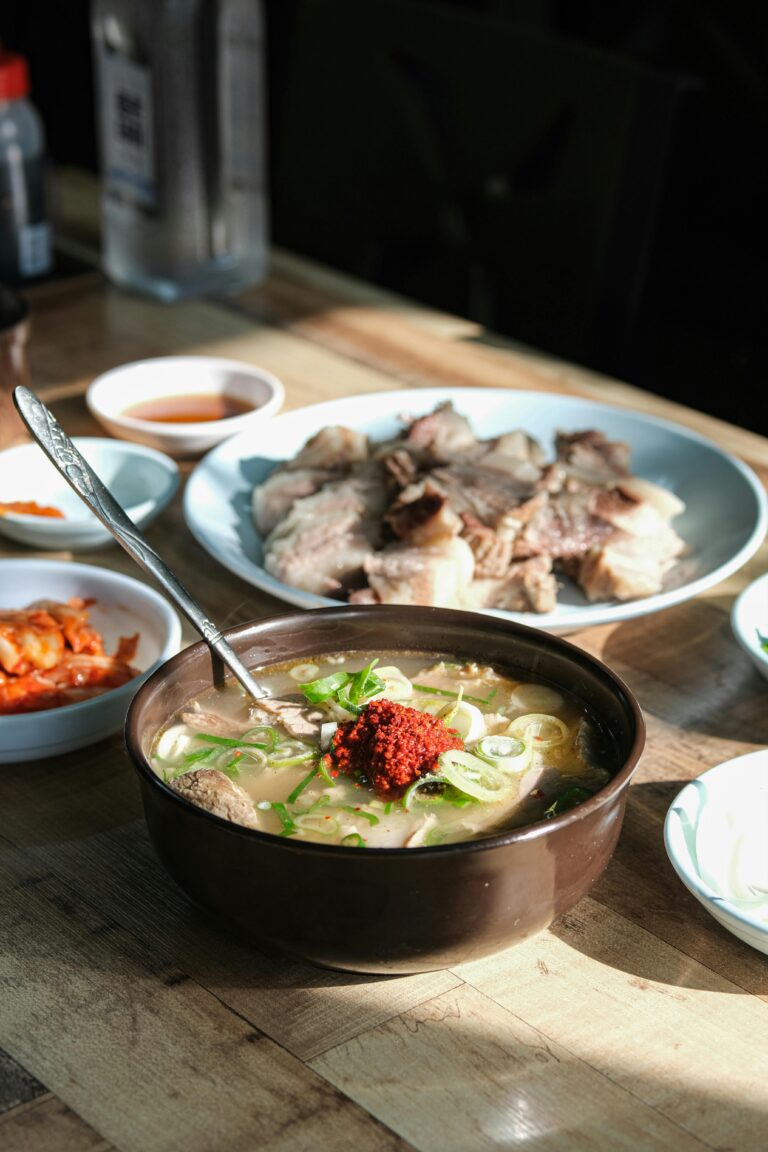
(189, 409)
(31, 508)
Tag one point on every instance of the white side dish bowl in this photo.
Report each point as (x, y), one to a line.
(715, 837)
(110, 394)
(122, 607)
(139, 478)
(749, 620)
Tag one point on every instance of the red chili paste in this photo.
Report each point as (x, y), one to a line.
(391, 745)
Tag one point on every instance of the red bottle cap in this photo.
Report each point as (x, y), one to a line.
(14, 76)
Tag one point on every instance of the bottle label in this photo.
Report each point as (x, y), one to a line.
(128, 139)
(34, 249)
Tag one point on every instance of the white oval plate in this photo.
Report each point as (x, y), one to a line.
(723, 524)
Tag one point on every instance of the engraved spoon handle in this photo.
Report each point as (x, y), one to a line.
(78, 473)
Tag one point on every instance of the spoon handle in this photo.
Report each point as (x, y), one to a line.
(78, 473)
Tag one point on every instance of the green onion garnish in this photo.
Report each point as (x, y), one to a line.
(227, 742)
(566, 800)
(353, 840)
(200, 755)
(453, 695)
(323, 770)
(302, 785)
(282, 814)
(763, 641)
(348, 689)
(387, 807)
(369, 816)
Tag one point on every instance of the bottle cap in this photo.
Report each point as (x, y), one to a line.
(14, 76)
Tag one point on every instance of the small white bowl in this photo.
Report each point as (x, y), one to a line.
(750, 616)
(109, 396)
(139, 478)
(122, 607)
(702, 837)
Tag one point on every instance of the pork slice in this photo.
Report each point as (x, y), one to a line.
(274, 499)
(591, 456)
(627, 567)
(442, 434)
(517, 454)
(422, 515)
(492, 551)
(323, 542)
(299, 720)
(334, 449)
(212, 724)
(401, 465)
(437, 574)
(562, 525)
(526, 586)
(484, 492)
(212, 790)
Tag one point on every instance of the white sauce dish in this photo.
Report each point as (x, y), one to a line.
(184, 405)
(749, 620)
(142, 480)
(715, 836)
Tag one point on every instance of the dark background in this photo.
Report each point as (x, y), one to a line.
(585, 177)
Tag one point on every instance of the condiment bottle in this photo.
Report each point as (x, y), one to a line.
(180, 95)
(25, 237)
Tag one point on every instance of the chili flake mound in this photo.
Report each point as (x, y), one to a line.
(391, 745)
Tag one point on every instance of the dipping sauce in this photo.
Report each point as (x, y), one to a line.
(194, 408)
(30, 508)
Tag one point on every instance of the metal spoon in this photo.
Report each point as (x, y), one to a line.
(79, 475)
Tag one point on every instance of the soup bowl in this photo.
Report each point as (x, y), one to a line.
(390, 910)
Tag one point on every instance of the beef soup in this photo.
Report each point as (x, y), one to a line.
(388, 751)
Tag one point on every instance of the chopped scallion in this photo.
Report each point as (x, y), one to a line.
(302, 785)
(282, 814)
(227, 742)
(430, 691)
(353, 840)
(369, 816)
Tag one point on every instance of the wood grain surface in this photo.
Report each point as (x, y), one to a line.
(131, 1020)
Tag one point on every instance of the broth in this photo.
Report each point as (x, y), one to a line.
(343, 770)
(195, 408)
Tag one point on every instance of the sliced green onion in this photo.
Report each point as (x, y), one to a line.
(201, 755)
(290, 753)
(505, 752)
(302, 785)
(539, 729)
(228, 742)
(323, 770)
(387, 807)
(318, 690)
(232, 766)
(319, 803)
(289, 827)
(369, 816)
(326, 734)
(271, 736)
(762, 641)
(476, 777)
(566, 800)
(303, 673)
(410, 794)
(453, 695)
(353, 840)
(315, 822)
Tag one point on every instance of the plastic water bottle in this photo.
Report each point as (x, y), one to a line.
(25, 236)
(180, 95)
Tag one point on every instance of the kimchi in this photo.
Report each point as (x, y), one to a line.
(51, 655)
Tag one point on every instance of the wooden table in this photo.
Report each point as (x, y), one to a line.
(130, 1020)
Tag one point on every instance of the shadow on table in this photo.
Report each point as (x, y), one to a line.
(678, 942)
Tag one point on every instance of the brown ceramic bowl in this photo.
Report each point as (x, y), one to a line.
(387, 910)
